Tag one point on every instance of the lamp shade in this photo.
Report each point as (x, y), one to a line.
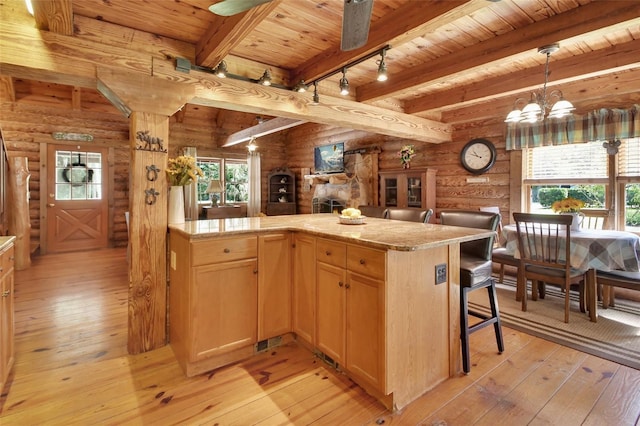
(214, 186)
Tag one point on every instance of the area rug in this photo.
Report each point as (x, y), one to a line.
(615, 336)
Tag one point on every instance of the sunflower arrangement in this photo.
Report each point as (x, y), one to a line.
(567, 205)
(182, 170)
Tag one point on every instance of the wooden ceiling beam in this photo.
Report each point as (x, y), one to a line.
(268, 127)
(576, 68)
(396, 28)
(227, 31)
(53, 15)
(593, 17)
(249, 97)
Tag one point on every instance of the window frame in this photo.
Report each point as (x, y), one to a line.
(222, 167)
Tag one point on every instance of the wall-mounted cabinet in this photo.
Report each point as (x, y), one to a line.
(408, 188)
(281, 192)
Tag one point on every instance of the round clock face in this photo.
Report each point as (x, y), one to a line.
(478, 156)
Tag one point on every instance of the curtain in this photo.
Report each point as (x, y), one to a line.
(191, 191)
(253, 161)
(602, 124)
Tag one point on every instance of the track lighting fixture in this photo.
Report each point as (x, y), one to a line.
(540, 102)
(382, 67)
(265, 80)
(221, 69)
(344, 83)
(301, 87)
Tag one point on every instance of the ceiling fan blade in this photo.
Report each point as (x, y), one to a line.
(355, 23)
(232, 7)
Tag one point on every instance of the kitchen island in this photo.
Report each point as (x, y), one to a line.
(379, 301)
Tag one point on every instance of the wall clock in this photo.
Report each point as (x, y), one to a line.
(478, 156)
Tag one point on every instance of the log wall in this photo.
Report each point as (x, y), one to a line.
(42, 108)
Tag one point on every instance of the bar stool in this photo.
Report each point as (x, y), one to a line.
(475, 273)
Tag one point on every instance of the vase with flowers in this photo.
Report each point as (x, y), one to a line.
(181, 171)
(406, 154)
(571, 206)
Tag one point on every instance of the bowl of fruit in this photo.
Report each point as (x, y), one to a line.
(351, 216)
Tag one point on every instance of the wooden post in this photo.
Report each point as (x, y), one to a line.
(18, 208)
(148, 235)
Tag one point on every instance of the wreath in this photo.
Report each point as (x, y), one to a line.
(77, 173)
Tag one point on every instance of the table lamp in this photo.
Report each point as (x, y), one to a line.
(214, 187)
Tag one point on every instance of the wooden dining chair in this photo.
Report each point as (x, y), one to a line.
(595, 219)
(612, 279)
(409, 215)
(544, 243)
(499, 253)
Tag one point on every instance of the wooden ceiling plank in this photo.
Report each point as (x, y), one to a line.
(398, 27)
(53, 15)
(604, 61)
(249, 97)
(597, 16)
(268, 127)
(224, 34)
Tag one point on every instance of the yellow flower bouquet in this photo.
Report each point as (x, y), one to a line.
(182, 170)
(567, 205)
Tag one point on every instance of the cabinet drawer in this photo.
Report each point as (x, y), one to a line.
(6, 259)
(331, 252)
(223, 250)
(366, 261)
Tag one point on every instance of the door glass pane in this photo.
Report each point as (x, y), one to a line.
(391, 192)
(414, 185)
(78, 175)
(632, 207)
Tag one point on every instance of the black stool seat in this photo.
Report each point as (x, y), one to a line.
(475, 273)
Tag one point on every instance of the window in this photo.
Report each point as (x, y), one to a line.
(581, 171)
(78, 175)
(235, 179)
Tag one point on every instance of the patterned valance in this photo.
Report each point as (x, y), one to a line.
(602, 124)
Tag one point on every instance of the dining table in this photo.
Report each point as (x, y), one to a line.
(590, 250)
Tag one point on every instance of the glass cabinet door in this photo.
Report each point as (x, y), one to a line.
(391, 192)
(414, 191)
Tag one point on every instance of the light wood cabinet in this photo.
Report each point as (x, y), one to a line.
(274, 285)
(408, 188)
(213, 300)
(7, 260)
(350, 309)
(304, 287)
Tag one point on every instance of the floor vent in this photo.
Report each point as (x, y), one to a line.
(326, 358)
(263, 345)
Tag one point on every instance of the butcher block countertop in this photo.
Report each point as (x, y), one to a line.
(377, 233)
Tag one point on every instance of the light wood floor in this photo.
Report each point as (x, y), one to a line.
(72, 368)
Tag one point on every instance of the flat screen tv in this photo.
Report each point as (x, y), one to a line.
(329, 158)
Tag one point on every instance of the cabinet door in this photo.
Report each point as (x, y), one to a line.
(274, 285)
(414, 183)
(330, 310)
(389, 191)
(6, 315)
(304, 287)
(365, 329)
(224, 307)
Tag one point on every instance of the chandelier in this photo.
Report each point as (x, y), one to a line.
(540, 101)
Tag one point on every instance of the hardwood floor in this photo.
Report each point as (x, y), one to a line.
(72, 368)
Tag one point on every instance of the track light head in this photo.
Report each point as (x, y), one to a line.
(221, 69)
(316, 98)
(265, 80)
(344, 83)
(301, 87)
(382, 67)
